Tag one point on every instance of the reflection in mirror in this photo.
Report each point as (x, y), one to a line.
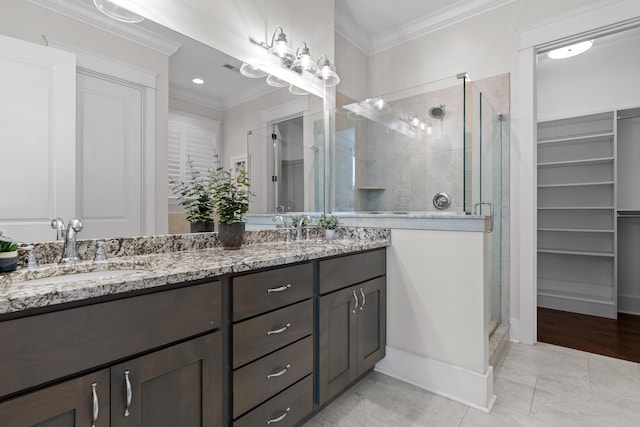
(394, 153)
(233, 103)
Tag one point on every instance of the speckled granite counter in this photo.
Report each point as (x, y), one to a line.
(172, 263)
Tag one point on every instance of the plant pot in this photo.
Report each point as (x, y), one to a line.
(8, 261)
(201, 227)
(329, 234)
(231, 235)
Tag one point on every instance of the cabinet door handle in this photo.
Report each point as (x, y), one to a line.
(129, 393)
(281, 372)
(96, 405)
(356, 298)
(364, 299)
(279, 288)
(279, 330)
(280, 418)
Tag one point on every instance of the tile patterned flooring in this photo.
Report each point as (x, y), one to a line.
(542, 385)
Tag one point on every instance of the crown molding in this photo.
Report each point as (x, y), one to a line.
(453, 14)
(89, 15)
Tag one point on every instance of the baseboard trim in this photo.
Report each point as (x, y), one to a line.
(452, 382)
(629, 304)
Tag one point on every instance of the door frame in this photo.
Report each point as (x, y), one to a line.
(92, 62)
(603, 17)
(274, 115)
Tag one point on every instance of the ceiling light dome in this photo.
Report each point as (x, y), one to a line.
(571, 50)
(119, 13)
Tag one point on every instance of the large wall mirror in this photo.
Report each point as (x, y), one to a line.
(277, 134)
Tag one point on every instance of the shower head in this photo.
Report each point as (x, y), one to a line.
(437, 112)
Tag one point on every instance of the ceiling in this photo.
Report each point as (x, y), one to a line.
(370, 26)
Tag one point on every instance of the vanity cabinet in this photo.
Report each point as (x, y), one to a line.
(156, 355)
(272, 346)
(68, 404)
(351, 319)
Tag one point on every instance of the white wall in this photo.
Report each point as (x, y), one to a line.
(483, 46)
(601, 79)
(26, 21)
(353, 67)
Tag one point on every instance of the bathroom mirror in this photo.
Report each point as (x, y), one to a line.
(235, 101)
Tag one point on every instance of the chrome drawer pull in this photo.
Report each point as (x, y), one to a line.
(281, 372)
(129, 393)
(280, 330)
(279, 288)
(96, 405)
(364, 299)
(280, 418)
(356, 298)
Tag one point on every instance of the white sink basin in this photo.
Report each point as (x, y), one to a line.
(77, 277)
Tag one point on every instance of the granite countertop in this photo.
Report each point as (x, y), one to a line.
(166, 268)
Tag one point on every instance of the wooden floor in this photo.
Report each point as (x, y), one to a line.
(615, 338)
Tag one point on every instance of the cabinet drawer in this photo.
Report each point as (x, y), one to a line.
(257, 381)
(337, 273)
(49, 346)
(264, 334)
(291, 406)
(258, 293)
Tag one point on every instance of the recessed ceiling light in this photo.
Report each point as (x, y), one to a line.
(571, 50)
(198, 81)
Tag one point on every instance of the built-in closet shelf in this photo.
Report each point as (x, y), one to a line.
(576, 230)
(601, 160)
(576, 184)
(372, 188)
(603, 137)
(581, 253)
(577, 208)
(574, 295)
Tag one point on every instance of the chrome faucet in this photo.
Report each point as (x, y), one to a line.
(279, 220)
(68, 234)
(58, 225)
(299, 226)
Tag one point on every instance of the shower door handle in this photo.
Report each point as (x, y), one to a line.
(477, 211)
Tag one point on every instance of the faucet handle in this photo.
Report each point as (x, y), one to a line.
(58, 225)
(101, 252)
(32, 261)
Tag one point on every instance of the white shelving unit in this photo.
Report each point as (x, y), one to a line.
(577, 242)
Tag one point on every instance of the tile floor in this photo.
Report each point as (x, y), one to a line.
(541, 385)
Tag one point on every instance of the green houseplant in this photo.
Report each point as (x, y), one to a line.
(196, 196)
(8, 254)
(329, 223)
(231, 201)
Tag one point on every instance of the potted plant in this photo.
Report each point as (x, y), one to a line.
(196, 196)
(8, 254)
(231, 200)
(329, 223)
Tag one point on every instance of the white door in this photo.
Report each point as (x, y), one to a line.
(109, 143)
(37, 138)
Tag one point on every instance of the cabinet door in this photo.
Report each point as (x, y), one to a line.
(72, 403)
(372, 323)
(337, 333)
(177, 386)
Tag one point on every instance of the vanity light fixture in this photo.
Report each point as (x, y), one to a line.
(276, 82)
(197, 81)
(304, 61)
(300, 62)
(280, 48)
(571, 50)
(119, 13)
(379, 105)
(326, 73)
(251, 71)
(297, 91)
